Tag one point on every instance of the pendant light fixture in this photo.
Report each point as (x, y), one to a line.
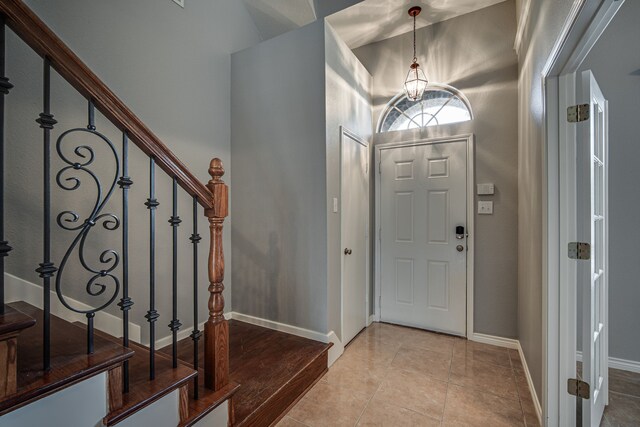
(416, 81)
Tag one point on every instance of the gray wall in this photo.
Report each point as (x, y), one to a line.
(171, 66)
(473, 53)
(348, 104)
(618, 74)
(325, 8)
(542, 28)
(279, 222)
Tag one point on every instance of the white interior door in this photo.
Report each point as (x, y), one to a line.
(354, 232)
(592, 221)
(423, 191)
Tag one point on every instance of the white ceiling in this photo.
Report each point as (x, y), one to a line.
(375, 20)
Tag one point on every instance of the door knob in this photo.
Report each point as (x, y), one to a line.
(460, 248)
(347, 251)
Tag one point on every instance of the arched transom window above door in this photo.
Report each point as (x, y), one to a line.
(439, 105)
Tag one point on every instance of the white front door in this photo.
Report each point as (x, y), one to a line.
(354, 234)
(423, 262)
(592, 221)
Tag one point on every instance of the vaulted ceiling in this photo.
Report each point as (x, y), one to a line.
(364, 22)
(374, 20)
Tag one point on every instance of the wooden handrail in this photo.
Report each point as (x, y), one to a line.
(45, 43)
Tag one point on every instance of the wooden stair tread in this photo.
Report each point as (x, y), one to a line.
(143, 391)
(273, 369)
(13, 320)
(207, 401)
(70, 363)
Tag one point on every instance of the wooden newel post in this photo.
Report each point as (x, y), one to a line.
(216, 330)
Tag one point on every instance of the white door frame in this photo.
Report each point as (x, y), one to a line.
(585, 24)
(470, 142)
(344, 132)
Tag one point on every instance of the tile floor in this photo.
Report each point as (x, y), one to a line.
(395, 376)
(624, 399)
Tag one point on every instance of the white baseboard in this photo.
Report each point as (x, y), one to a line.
(616, 363)
(532, 389)
(334, 352)
(17, 289)
(494, 340)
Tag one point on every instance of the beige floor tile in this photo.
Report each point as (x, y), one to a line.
(468, 407)
(388, 335)
(523, 386)
(290, 422)
(430, 340)
(329, 405)
(416, 392)
(380, 413)
(529, 412)
(514, 356)
(624, 382)
(374, 349)
(423, 361)
(484, 377)
(353, 373)
(623, 410)
(482, 352)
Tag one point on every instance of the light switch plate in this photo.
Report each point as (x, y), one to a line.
(335, 205)
(486, 189)
(485, 208)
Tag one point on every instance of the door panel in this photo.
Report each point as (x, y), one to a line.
(354, 235)
(592, 220)
(423, 198)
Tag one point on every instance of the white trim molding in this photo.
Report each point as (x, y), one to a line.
(616, 363)
(494, 340)
(335, 351)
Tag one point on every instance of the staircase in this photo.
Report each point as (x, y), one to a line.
(256, 372)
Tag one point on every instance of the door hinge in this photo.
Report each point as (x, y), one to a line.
(380, 168)
(380, 234)
(578, 388)
(578, 113)
(579, 251)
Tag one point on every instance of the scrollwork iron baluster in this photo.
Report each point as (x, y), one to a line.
(109, 258)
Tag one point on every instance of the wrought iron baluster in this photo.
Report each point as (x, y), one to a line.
(152, 314)
(175, 324)
(46, 269)
(125, 303)
(196, 333)
(5, 86)
(78, 163)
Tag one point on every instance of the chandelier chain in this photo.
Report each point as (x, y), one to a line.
(415, 58)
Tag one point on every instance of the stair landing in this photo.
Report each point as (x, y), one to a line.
(274, 370)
